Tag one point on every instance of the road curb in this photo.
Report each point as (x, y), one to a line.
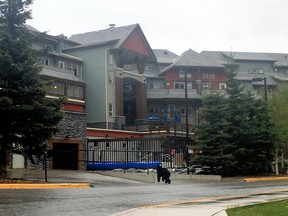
(45, 186)
(266, 179)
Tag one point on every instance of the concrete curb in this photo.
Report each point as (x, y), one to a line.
(265, 179)
(45, 186)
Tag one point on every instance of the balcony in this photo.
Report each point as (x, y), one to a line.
(171, 93)
(59, 73)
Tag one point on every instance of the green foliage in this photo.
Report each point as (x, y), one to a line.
(278, 110)
(27, 118)
(236, 134)
(265, 209)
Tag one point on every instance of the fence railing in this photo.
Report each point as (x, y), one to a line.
(136, 153)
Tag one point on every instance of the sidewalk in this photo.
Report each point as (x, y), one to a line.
(206, 207)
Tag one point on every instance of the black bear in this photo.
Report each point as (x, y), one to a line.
(164, 174)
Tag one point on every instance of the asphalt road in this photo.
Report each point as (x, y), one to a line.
(113, 195)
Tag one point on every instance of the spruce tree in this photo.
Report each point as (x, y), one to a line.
(27, 118)
(237, 134)
(212, 136)
(251, 129)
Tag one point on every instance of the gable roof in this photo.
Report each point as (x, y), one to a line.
(224, 56)
(190, 58)
(119, 34)
(117, 37)
(250, 56)
(165, 56)
(282, 59)
(218, 56)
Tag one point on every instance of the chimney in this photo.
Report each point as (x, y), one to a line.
(112, 26)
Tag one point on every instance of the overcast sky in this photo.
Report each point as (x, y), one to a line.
(176, 25)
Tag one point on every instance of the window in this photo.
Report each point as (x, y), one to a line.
(206, 86)
(70, 66)
(58, 88)
(222, 86)
(183, 110)
(111, 110)
(61, 64)
(127, 67)
(212, 76)
(44, 61)
(154, 86)
(110, 78)
(75, 91)
(148, 67)
(181, 85)
(205, 76)
(76, 71)
(110, 59)
(208, 76)
(182, 74)
(256, 70)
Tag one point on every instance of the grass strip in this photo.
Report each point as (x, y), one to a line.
(276, 208)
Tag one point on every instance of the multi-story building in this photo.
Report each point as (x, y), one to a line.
(167, 97)
(112, 79)
(65, 72)
(253, 68)
(114, 63)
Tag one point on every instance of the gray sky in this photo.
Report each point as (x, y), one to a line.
(237, 25)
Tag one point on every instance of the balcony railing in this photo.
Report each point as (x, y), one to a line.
(171, 93)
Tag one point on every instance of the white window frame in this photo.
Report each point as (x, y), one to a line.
(111, 110)
(205, 76)
(61, 64)
(180, 84)
(154, 85)
(212, 76)
(75, 68)
(182, 74)
(222, 84)
(110, 78)
(45, 61)
(206, 86)
(148, 68)
(110, 59)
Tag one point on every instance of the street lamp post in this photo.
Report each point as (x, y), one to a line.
(186, 121)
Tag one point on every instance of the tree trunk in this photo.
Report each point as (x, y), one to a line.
(276, 163)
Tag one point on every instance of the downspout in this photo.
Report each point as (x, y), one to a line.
(106, 89)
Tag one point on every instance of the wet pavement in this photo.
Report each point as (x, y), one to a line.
(118, 196)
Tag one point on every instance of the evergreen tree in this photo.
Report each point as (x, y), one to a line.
(212, 136)
(237, 133)
(279, 113)
(27, 118)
